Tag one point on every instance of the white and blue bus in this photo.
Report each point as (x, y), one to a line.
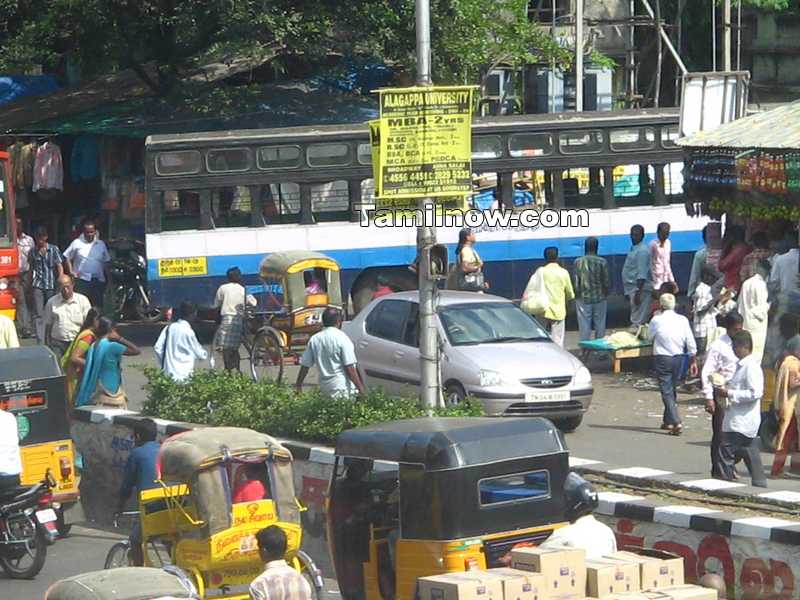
(222, 199)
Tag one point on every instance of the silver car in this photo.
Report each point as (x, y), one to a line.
(491, 350)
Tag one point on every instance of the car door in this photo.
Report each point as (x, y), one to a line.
(380, 348)
(406, 354)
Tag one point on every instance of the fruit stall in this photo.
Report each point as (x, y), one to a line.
(748, 170)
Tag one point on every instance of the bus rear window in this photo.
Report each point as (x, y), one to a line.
(487, 147)
(228, 159)
(183, 162)
(625, 140)
(278, 157)
(519, 487)
(530, 144)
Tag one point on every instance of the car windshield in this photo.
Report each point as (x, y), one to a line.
(489, 323)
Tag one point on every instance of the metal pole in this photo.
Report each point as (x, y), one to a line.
(578, 55)
(660, 59)
(426, 238)
(714, 35)
(667, 41)
(739, 39)
(726, 34)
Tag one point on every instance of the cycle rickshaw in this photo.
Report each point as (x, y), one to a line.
(297, 286)
(210, 538)
(131, 583)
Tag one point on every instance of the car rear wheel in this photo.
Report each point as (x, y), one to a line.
(454, 394)
(569, 424)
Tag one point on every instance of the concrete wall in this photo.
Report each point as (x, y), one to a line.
(752, 552)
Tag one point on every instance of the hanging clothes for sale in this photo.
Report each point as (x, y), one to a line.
(22, 159)
(48, 170)
(83, 164)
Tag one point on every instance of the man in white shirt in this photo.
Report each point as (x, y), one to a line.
(742, 419)
(87, 258)
(672, 339)
(10, 460)
(754, 307)
(230, 300)
(8, 333)
(25, 244)
(279, 581)
(64, 315)
(584, 531)
(334, 355)
(722, 361)
(177, 347)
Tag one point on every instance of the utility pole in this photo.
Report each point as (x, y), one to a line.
(726, 34)
(426, 238)
(578, 55)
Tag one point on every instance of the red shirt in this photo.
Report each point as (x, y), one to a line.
(252, 490)
(382, 290)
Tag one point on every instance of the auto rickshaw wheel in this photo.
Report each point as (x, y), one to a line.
(199, 582)
(266, 357)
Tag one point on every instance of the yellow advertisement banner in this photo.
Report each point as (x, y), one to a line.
(425, 143)
(182, 267)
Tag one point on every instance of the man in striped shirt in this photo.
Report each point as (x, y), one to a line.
(279, 581)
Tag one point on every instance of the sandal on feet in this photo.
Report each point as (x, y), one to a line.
(676, 430)
(666, 427)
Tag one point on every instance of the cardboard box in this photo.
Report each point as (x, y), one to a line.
(469, 585)
(520, 585)
(564, 569)
(657, 569)
(681, 592)
(608, 576)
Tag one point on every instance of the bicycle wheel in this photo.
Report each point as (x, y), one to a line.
(306, 567)
(119, 556)
(266, 358)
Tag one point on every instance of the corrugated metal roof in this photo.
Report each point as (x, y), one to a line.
(778, 128)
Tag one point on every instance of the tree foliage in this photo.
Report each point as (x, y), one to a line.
(100, 36)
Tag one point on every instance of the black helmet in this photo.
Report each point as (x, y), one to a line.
(580, 497)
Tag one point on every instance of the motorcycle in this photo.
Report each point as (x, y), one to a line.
(28, 524)
(129, 283)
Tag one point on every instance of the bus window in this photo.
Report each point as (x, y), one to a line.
(673, 182)
(181, 162)
(328, 155)
(231, 206)
(278, 157)
(364, 153)
(227, 160)
(487, 147)
(581, 142)
(530, 144)
(180, 210)
(282, 203)
(669, 134)
(633, 186)
(330, 201)
(625, 140)
(583, 188)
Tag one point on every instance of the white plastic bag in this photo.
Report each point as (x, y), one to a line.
(535, 300)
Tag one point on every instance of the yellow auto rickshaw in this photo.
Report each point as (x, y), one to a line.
(195, 514)
(423, 497)
(297, 288)
(32, 388)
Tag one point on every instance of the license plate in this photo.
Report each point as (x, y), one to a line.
(547, 396)
(47, 515)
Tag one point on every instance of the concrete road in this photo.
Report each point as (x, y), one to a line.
(622, 427)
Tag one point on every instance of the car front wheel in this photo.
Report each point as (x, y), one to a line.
(569, 424)
(454, 394)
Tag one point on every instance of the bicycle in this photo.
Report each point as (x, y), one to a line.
(120, 554)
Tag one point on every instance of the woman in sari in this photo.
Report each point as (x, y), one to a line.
(787, 390)
(101, 383)
(75, 357)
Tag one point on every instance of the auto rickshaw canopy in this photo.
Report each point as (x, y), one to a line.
(127, 583)
(280, 264)
(28, 362)
(198, 458)
(445, 443)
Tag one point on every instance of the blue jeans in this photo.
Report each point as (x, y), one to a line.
(591, 313)
(668, 371)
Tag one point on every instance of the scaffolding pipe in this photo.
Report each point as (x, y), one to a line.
(666, 39)
(660, 59)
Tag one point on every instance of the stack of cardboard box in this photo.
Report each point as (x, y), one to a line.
(566, 574)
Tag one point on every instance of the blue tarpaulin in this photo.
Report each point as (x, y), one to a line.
(14, 87)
